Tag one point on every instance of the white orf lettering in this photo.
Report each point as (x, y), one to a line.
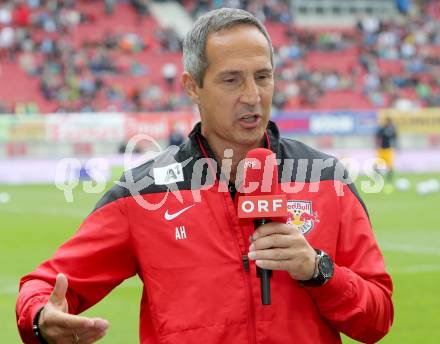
(277, 203)
(263, 205)
(247, 206)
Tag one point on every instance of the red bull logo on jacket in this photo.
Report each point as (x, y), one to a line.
(301, 214)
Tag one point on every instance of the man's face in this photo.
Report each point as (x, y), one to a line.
(238, 85)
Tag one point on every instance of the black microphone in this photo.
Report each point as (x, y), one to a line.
(260, 200)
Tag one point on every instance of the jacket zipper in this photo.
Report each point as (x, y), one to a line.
(251, 309)
(247, 279)
(246, 263)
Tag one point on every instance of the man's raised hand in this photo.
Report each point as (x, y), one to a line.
(57, 326)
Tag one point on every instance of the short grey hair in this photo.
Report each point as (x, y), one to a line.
(194, 57)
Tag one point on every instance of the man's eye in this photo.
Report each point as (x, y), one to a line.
(262, 77)
(230, 81)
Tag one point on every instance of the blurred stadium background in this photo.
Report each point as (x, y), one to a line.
(79, 78)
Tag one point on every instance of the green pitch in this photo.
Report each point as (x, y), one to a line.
(37, 219)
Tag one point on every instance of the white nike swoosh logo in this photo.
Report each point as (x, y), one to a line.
(170, 217)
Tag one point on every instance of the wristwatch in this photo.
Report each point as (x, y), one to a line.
(36, 328)
(323, 270)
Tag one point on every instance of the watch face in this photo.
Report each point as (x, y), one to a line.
(326, 267)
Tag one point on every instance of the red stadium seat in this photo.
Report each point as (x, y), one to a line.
(343, 100)
(20, 88)
(277, 32)
(390, 67)
(123, 21)
(340, 61)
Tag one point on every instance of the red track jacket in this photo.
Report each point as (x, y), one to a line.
(189, 253)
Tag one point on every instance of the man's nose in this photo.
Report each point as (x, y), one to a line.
(251, 93)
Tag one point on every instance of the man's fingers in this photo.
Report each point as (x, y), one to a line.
(58, 295)
(86, 333)
(274, 240)
(69, 321)
(90, 335)
(273, 264)
(85, 336)
(272, 228)
(270, 254)
(100, 324)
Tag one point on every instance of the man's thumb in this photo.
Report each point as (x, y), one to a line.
(59, 291)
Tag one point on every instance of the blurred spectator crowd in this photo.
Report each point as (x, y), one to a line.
(264, 10)
(394, 63)
(88, 72)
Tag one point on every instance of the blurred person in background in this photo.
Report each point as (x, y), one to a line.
(386, 142)
(169, 73)
(176, 137)
(196, 259)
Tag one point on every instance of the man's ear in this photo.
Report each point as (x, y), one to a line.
(191, 87)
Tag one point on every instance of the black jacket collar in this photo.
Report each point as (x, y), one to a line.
(195, 136)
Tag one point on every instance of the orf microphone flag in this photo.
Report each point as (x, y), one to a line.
(261, 201)
(259, 197)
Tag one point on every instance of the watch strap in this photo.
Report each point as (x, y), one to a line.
(36, 329)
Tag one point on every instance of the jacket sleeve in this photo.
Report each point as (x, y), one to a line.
(357, 300)
(95, 260)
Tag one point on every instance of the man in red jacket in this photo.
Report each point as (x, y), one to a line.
(194, 256)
